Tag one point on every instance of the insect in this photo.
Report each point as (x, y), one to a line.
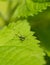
(22, 38)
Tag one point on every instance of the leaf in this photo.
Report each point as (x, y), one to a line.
(29, 8)
(19, 55)
(18, 45)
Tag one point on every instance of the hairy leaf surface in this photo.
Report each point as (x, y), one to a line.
(18, 45)
(29, 7)
(21, 55)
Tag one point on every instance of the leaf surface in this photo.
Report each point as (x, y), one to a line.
(18, 45)
(29, 8)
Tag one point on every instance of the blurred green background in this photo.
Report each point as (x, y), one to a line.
(41, 25)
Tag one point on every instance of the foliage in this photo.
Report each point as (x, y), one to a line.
(18, 44)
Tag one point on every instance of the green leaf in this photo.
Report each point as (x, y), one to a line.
(21, 55)
(18, 45)
(29, 7)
